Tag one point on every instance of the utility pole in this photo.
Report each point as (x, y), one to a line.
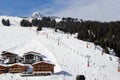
(88, 62)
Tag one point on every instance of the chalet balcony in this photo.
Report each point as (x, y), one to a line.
(29, 61)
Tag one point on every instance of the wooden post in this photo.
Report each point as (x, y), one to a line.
(119, 65)
(103, 51)
(87, 45)
(58, 41)
(88, 65)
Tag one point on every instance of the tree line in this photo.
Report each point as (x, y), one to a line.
(105, 34)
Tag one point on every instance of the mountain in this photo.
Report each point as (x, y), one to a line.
(37, 15)
(40, 16)
(68, 52)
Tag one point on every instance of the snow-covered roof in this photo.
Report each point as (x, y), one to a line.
(17, 64)
(29, 65)
(3, 65)
(32, 46)
(9, 65)
(29, 47)
(48, 62)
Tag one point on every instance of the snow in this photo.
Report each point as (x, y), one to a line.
(16, 64)
(58, 19)
(70, 56)
(3, 65)
(6, 61)
(14, 21)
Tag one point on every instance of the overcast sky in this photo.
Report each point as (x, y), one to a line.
(102, 10)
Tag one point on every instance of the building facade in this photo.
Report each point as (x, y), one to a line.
(43, 68)
(3, 69)
(17, 68)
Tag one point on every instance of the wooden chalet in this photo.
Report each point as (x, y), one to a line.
(17, 68)
(43, 67)
(31, 57)
(3, 69)
(10, 58)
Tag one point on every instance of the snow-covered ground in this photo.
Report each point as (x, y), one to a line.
(68, 53)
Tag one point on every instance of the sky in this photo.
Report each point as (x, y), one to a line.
(102, 10)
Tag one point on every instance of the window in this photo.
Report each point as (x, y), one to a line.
(30, 56)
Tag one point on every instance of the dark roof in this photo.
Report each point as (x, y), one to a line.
(6, 52)
(32, 52)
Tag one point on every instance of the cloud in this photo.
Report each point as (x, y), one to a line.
(102, 10)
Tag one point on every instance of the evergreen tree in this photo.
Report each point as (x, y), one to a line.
(80, 77)
(6, 22)
(34, 22)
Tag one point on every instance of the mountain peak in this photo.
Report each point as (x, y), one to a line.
(37, 15)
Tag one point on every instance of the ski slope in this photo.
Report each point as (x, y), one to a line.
(67, 52)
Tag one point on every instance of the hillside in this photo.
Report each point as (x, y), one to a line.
(70, 54)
